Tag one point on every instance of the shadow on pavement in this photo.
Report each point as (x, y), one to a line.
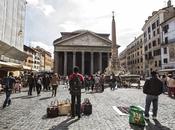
(64, 125)
(151, 126)
(44, 98)
(24, 97)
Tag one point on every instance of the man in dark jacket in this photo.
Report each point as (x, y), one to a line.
(8, 82)
(153, 87)
(76, 81)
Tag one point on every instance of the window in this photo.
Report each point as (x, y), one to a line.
(166, 40)
(159, 63)
(158, 41)
(158, 31)
(148, 29)
(150, 55)
(149, 45)
(154, 43)
(165, 28)
(157, 23)
(153, 26)
(154, 33)
(149, 36)
(165, 50)
(146, 48)
(155, 63)
(165, 60)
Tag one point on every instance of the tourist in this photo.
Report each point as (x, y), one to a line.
(9, 83)
(153, 87)
(55, 81)
(76, 81)
(31, 83)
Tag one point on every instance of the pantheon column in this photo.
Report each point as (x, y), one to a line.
(65, 63)
(100, 64)
(56, 62)
(82, 64)
(74, 58)
(92, 62)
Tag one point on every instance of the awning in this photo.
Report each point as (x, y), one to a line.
(9, 66)
(12, 52)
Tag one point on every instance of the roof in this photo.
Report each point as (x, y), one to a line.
(71, 35)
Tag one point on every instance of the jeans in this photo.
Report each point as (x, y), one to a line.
(154, 100)
(54, 90)
(74, 107)
(7, 99)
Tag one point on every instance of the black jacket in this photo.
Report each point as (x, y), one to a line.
(153, 86)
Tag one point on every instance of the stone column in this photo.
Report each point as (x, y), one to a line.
(65, 63)
(92, 62)
(100, 63)
(56, 62)
(108, 55)
(74, 58)
(82, 60)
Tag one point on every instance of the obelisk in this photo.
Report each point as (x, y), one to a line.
(114, 50)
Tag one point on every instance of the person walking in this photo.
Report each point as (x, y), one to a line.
(153, 87)
(31, 83)
(55, 82)
(76, 81)
(9, 83)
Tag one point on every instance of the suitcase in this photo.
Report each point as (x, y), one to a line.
(52, 110)
(86, 107)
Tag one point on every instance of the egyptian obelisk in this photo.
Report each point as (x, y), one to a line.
(114, 65)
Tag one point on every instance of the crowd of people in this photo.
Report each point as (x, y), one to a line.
(153, 87)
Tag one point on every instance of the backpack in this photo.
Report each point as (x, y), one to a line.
(75, 85)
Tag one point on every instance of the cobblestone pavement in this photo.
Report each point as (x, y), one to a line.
(29, 112)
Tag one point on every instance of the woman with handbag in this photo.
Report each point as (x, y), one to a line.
(54, 83)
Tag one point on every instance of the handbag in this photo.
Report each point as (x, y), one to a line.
(64, 107)
(52, 109)
(136, 116)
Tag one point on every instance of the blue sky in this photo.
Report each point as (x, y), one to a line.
(45, 19)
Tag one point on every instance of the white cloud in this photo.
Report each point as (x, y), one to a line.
(42, 6)
(33, 2)
(94, 15)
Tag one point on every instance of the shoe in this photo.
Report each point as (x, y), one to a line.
(146, 118)
(154, 118)
(79, 117)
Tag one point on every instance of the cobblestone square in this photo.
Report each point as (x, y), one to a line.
(29, 112)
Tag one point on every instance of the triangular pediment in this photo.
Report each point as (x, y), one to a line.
(85, 39)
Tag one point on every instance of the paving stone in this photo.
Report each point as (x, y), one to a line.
(29, 112)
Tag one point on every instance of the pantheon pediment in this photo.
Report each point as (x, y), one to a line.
(84, 39)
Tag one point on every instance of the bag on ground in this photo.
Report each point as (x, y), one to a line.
(52, 110)
(136, 116)
(86, 107)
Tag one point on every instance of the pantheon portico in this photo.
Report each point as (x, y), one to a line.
(88, 50)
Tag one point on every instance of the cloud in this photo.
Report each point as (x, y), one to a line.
(42, 6)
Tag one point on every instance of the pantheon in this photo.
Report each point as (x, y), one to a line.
(88, 50)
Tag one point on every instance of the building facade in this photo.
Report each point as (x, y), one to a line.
(135, 56)
(12, 20)
(45, 59)
(153, 37)
(168, 44)
(88, 50)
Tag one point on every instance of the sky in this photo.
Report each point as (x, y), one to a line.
(45, 19)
